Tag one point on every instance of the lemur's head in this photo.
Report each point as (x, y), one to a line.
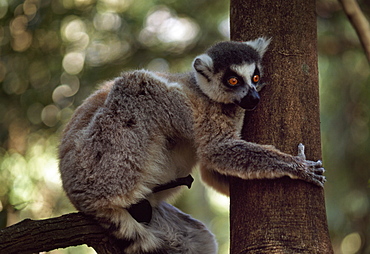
(229, 72)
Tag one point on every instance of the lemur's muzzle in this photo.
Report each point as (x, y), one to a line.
(250, 101)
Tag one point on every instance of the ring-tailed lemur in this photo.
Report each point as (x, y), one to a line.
(133, 143)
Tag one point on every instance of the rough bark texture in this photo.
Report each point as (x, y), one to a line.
(29, 236)
(282, 215)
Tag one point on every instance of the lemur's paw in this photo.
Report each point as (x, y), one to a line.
(315, 176)
(314, 169)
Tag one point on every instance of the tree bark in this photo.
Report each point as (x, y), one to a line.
(33, 236)
(281, 215)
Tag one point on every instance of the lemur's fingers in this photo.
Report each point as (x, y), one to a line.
(314, 164)
(301, 151)
(319, 171)
(316, 179)
(315, 172)
(314, 169)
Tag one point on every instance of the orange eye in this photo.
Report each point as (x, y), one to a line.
(233, 81)
(256, 78)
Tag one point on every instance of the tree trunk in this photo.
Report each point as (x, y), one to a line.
(281, 215)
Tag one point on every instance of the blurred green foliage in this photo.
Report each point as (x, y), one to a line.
(345, 121)
(53, 53)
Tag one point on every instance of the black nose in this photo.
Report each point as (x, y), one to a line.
(250, 101)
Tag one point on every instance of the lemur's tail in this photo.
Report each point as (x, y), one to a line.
(169, 231)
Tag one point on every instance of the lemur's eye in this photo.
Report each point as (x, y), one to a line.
(233, 81)
(256, 78)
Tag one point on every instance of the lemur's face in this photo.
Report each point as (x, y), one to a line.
(230, 71)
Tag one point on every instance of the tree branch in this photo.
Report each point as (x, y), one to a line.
(359, 22)
(30, 236)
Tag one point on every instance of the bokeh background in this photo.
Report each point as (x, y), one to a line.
(53, 53)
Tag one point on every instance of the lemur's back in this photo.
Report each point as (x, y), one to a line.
(82, 116)
(134, 119)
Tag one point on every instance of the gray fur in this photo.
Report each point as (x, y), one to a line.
(179, 232)
(144, 129)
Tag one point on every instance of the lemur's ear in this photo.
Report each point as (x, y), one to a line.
(203, 64)
(260, 45)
